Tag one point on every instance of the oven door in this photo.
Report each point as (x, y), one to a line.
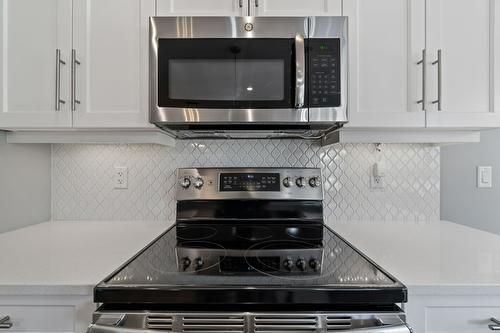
(230, 76)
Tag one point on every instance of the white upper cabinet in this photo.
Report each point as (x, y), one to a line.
(30, 83)
(202, 7)
(110, 41)
(468, 34)
(295, 7)
(386, 40)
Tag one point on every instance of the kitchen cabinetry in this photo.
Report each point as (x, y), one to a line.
(47, 313)
(30, 33)
(110, 41)
(468, 34)
(101, 79)
(202, 7)
(295, 7)
(451, 314)
(386, 39)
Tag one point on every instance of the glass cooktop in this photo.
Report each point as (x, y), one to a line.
(250, 255)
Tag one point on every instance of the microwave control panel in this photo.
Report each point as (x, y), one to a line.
(324, 72)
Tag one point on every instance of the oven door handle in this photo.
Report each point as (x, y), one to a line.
(300, 71)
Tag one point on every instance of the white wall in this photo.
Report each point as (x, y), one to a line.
(25, 180)
(461, 201)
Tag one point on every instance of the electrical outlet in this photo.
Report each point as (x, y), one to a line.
(377, 182)
(121, 177)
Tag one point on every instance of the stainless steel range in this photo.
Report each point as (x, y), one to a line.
(250, 253)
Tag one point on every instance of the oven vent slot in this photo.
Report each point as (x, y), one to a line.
(338, 323)
(213, 324)
(276, 324)
(159, 322)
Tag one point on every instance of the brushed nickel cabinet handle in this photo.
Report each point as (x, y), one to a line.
(256, 3)
(240, 3)
(496, 326)
(58, 100)
(5, 323)
(439, 63)
(74, 63)
(423, 62)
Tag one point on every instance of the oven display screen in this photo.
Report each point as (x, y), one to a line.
(249, 264)
(246, 182)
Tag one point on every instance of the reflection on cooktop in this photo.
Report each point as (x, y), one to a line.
(165, 263)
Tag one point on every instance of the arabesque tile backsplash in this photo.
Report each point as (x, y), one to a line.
(82, 180)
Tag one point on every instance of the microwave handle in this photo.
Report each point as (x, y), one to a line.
(300, 68)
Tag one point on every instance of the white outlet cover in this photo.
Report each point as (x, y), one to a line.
(484, 177)
(120, 178)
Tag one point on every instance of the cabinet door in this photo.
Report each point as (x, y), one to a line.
(30, 33)
(202, 7)
(468, 34)
(386, 40)
(110, 39)
(295, 7)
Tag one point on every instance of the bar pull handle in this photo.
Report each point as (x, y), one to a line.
(496, 326)
(257, 3)
(240, 3)
(59, 62)
(423, 62)
(300, 65)
(439, 63)
(5, 323)
(74, 63)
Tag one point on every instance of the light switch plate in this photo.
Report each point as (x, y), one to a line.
(484, 177)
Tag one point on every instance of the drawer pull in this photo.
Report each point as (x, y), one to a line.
(5, 323)
(496, 326)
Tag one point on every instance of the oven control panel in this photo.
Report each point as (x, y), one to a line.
(324, 72)
(249, 183)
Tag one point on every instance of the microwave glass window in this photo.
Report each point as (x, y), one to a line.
(227, 79)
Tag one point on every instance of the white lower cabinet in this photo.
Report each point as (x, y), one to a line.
(452, 314)
(47, 313)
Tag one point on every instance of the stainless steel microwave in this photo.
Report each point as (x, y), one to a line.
(248, 76)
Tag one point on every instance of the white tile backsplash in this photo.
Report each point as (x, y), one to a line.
(83, 177)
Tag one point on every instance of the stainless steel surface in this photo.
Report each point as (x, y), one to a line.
(423, 62)
(250, 322)
(329, 27)
(438, 62)
(211, 177)
(5, 323)
(496, 325)
(234, 27)
(74, 64)
(300, 71)
(59, 62)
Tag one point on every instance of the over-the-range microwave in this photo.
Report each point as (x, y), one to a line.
(248, 76)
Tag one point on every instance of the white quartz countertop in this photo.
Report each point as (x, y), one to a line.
(69, 257)
(436, 257)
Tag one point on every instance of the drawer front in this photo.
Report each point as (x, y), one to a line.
(39, 318)
(457, 319)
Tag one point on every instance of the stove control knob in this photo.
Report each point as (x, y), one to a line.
(314, 182)
(185, 182)
(300, 182)
(286, 182)
(198, 183)
(288, 264)
(315, 264)
(186, 262)
(301, 264)
(198, 263)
